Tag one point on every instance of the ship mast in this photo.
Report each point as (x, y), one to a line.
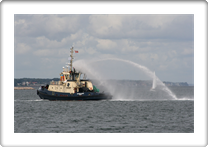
(71, 55)
(71, 58)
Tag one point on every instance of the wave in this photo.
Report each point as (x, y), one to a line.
(178, 99)
(30, 100)
(142, 100)
(185, 98)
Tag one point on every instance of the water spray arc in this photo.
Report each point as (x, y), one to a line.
(148, 72)
(143, 68)
(84, 65)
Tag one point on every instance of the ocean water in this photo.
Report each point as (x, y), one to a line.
(142, 111)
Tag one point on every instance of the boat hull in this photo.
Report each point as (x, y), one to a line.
(86, 96)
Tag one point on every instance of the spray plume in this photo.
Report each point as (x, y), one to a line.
(86, 66)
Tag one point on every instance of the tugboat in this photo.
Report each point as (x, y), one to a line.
(70, 87)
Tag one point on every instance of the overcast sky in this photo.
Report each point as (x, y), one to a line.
(162, 43)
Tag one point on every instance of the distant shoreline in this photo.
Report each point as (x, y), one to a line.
(23, 88)
(33, 82)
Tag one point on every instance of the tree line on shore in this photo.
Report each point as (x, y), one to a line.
(37, 81)
(18, 82)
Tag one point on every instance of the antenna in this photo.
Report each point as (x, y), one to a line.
(71, 60)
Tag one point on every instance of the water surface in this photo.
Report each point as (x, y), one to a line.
(135, 115)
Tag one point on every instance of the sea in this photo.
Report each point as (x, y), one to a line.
(137, 111)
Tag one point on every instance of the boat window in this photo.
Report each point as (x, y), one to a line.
(68, 84)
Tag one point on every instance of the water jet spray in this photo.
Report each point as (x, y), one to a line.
(86, 65)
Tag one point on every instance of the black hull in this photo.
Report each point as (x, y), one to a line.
(50, 97)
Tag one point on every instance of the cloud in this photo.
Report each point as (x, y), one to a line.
(22, 48)
(43, 42)
(142, 26)
(44, 52)
(51, 26)
(106, 44)
(105, 25)
(188, 51)
(164, 43)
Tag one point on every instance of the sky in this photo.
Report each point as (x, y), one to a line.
(166, 44)
(163, 43)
